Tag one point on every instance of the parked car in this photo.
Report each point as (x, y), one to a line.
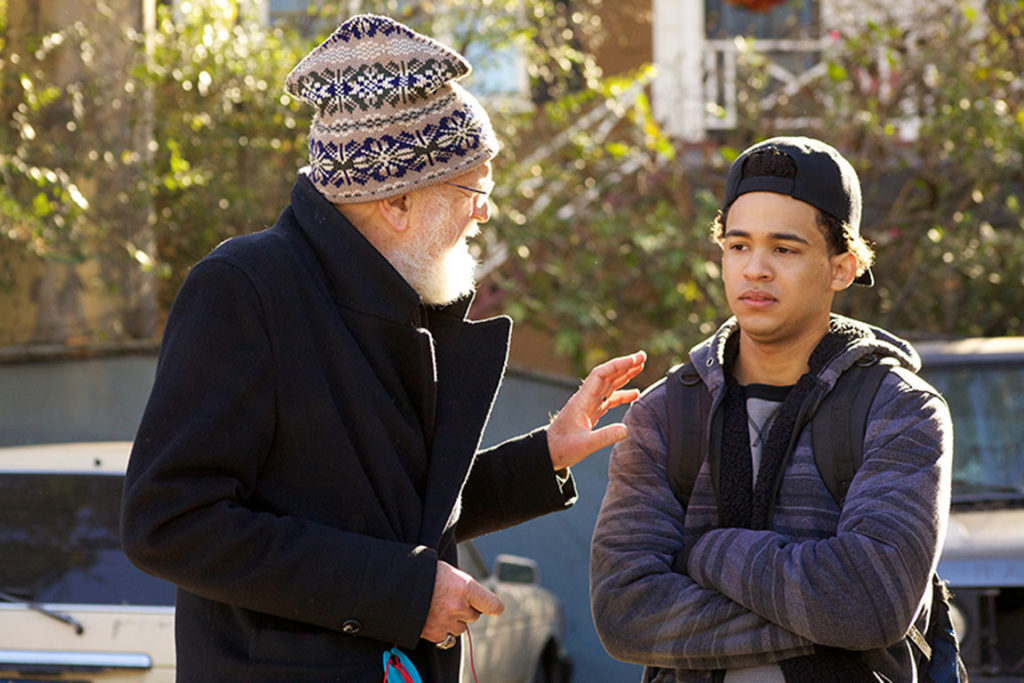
(73, 608)
(525, 643)
(983, 556)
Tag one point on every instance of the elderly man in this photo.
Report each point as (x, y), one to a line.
(308, 457)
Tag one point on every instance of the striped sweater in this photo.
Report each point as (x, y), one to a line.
(854, 578)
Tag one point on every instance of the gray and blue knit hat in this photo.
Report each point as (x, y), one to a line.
(389, 116)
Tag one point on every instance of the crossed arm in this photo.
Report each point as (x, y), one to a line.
(644, 611)
(752, 597)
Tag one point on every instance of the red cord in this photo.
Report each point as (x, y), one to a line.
(401, 670)
(472, 666)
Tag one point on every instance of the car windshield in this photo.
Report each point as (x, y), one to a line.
(60, 544)
(987, 403)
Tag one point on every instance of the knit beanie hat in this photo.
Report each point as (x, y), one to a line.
(389, 116)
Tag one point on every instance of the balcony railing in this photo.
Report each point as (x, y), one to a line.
(789, 65)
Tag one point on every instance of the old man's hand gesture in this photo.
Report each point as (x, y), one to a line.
(572, 435)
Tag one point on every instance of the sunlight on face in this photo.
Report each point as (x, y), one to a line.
(777, 272)
(436, 260)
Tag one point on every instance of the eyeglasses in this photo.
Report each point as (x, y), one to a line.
(480, 196)
(467, 188)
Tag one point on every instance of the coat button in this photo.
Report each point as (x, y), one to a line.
(351, 627)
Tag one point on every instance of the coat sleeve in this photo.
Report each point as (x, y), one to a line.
(643, 610)
(511, 483)
(861, 588)
(186, 511)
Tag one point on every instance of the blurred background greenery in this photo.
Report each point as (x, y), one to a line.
(131, 143)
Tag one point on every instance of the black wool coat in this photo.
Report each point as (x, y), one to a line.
(309, 452)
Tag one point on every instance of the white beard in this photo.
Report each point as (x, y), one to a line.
(439, 273)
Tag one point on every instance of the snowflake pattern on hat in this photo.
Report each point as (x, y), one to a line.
(389, 116)
(371, 86)
(369, 25)
(384, 158)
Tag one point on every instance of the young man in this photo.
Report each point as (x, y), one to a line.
(764, 577)
(307, 460)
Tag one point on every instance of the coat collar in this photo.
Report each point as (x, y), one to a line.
(466, 359)
(708, 356)
(358, 276)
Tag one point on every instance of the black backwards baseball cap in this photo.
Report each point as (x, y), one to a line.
(824, 179)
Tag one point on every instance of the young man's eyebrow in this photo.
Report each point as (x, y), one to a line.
(784, 236)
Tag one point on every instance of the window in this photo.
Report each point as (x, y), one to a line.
(305, 16)
(987, 403)
(497, 72)
(787, 20)
(60, 542)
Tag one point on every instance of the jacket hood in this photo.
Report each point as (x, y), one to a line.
(708, 356)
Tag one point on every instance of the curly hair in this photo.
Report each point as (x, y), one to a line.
(839, 236)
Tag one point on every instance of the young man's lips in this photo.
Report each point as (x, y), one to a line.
(757, 299)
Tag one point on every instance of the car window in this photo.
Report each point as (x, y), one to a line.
(987, 404)
(60, 543)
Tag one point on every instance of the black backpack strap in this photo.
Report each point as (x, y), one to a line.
(839, 424)
(689, 402)
(837, 433)
(920, 641)
(939, 647)
(939, 623)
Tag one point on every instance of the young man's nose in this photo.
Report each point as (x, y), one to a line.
(757, 266)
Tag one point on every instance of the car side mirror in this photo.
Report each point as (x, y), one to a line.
(515, 569)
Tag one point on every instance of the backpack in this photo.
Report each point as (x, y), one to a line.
(837, 437)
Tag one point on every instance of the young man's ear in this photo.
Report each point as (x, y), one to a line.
(395, 212)
(844, 270)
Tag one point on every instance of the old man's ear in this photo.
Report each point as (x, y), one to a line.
(395, 211)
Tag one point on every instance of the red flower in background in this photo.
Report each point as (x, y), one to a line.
(755, 5)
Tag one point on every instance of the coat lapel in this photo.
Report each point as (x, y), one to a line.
(469, 357)
(470, 360)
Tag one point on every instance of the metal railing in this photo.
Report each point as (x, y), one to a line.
(789, 64)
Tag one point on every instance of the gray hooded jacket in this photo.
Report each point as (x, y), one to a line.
(854, 578)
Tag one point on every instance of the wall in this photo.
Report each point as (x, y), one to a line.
(48, 398)
(628, 40)
(560, 542)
